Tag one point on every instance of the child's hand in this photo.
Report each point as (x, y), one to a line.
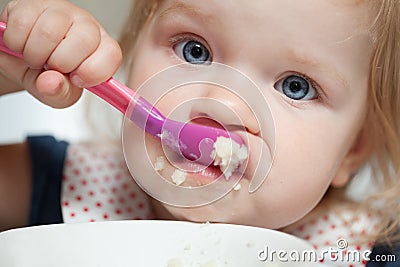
(64, 49)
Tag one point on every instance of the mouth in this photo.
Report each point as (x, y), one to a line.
(185, 173)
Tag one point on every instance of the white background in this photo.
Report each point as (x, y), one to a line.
(22, 115)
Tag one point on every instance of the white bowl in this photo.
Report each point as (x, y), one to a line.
(146, 243)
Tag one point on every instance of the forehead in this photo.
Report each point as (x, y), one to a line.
(348, 15)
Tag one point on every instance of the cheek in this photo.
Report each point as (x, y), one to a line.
(148, 60)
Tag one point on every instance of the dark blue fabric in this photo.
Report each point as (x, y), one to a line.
(385, 256)
(47, 157)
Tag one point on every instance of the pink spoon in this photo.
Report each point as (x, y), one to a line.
(195, 142)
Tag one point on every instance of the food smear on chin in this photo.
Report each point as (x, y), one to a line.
(178, 177)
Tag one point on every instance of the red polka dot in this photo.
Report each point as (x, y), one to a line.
(106, 178)
(84, 182)
(114, 190)
(111, 201)
(333, 226)
(325, 217)
(315, 247)
(320, 231)
(71, 187)
(100, 167)
(68, 163)
(65, 203)
(364, 232)
(72, 214)
(99, 204)
(78, 198)
(74, 151)
(105, 216)
(313, 221)
(132, 195)
(118, 176)
(65, 178)
(364, 262)
(81, 160)
(125, 186)
(85, 209)
(88, 169)
(95, 180)
(92, 220)
(358, 247)
(140, 205)
(129, 210)
(103, 190)
(307, 237)
(351, 265)
(91, 193)
(121, 200)
(77, 172)
(118, 211)
(111, 165)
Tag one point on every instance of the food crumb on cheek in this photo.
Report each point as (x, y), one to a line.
(237, 187)
(159, 165)
(228, 155)
(178, 177)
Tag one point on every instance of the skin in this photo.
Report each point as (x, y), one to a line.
(331, 50)
(61, 57)
(326, 41)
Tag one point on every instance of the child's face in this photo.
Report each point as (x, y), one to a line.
(311, 60)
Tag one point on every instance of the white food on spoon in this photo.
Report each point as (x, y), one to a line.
(228, 155)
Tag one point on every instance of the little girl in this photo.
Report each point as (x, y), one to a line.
(329, 70)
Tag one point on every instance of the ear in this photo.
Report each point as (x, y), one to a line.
(356, 156)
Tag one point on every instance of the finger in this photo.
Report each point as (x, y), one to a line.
(82, 39)
(54, 89)
(100, 66)
(20, 21)
(12, 67)
(46, 36)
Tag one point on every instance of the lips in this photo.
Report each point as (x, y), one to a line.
(255, 168)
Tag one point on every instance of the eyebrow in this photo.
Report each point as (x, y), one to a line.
(306, 60)
(183, 8)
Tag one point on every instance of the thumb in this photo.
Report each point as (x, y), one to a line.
(55, 89)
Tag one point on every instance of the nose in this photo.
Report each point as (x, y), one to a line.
(224, 107)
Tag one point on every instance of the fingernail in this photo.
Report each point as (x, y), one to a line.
(77, 81)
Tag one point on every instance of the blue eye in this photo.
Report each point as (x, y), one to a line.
(296, 87)
(193, 52)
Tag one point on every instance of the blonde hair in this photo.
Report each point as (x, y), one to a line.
(384, 101)
(384, 112)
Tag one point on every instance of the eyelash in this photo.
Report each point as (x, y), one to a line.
(173, 41)
(320, 93)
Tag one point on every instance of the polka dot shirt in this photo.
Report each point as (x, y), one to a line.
(97, 186)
